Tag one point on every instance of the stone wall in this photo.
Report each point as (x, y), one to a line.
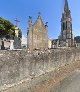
(16, 66)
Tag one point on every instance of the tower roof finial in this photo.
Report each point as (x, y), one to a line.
(39, 13)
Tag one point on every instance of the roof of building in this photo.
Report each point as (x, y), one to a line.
(39, 22)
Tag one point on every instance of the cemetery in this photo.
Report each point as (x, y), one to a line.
(10, 35)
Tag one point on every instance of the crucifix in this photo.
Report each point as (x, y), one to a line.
(17, 21)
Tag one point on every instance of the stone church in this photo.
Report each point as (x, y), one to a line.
(66, 27)
(37, 37)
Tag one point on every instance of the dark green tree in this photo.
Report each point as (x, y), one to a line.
(7, 29)
(77, 39)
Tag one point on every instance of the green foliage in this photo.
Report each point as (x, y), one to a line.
(2, 27)
(77, 39)
(7, 29)
(20, 33)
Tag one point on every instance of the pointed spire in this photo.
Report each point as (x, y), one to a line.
(66, 2)
(39, 15)
(30, 21)
(66, 10)
(66, 7)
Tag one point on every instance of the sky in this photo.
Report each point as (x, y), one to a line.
(51, 12)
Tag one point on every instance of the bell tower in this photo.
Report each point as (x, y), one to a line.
(66, 25)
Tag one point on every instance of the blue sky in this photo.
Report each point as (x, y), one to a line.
(51, 12)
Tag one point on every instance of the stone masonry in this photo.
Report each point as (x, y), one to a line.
(37, 37)
(66, 27)
(19, 65)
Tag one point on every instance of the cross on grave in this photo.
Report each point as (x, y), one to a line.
(17, 21)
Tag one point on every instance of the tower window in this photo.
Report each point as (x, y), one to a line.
(63, 26)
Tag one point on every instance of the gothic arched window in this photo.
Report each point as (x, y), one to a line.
(63, 26)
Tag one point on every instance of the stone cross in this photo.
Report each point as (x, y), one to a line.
(17, 21)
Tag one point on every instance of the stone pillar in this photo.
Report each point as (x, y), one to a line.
(16, 31)
(46, 26)
(11, 44)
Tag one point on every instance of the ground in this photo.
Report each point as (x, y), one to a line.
(70, 84)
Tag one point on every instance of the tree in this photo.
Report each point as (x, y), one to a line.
(77, 39)
(7, 29)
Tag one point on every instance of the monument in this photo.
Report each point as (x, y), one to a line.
(17, 40)
(37, 37)
(11, 44)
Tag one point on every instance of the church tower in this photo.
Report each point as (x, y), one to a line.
(66, 26)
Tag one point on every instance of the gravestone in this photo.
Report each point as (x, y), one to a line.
(7, 44)
(17, 43)
(11, 44)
